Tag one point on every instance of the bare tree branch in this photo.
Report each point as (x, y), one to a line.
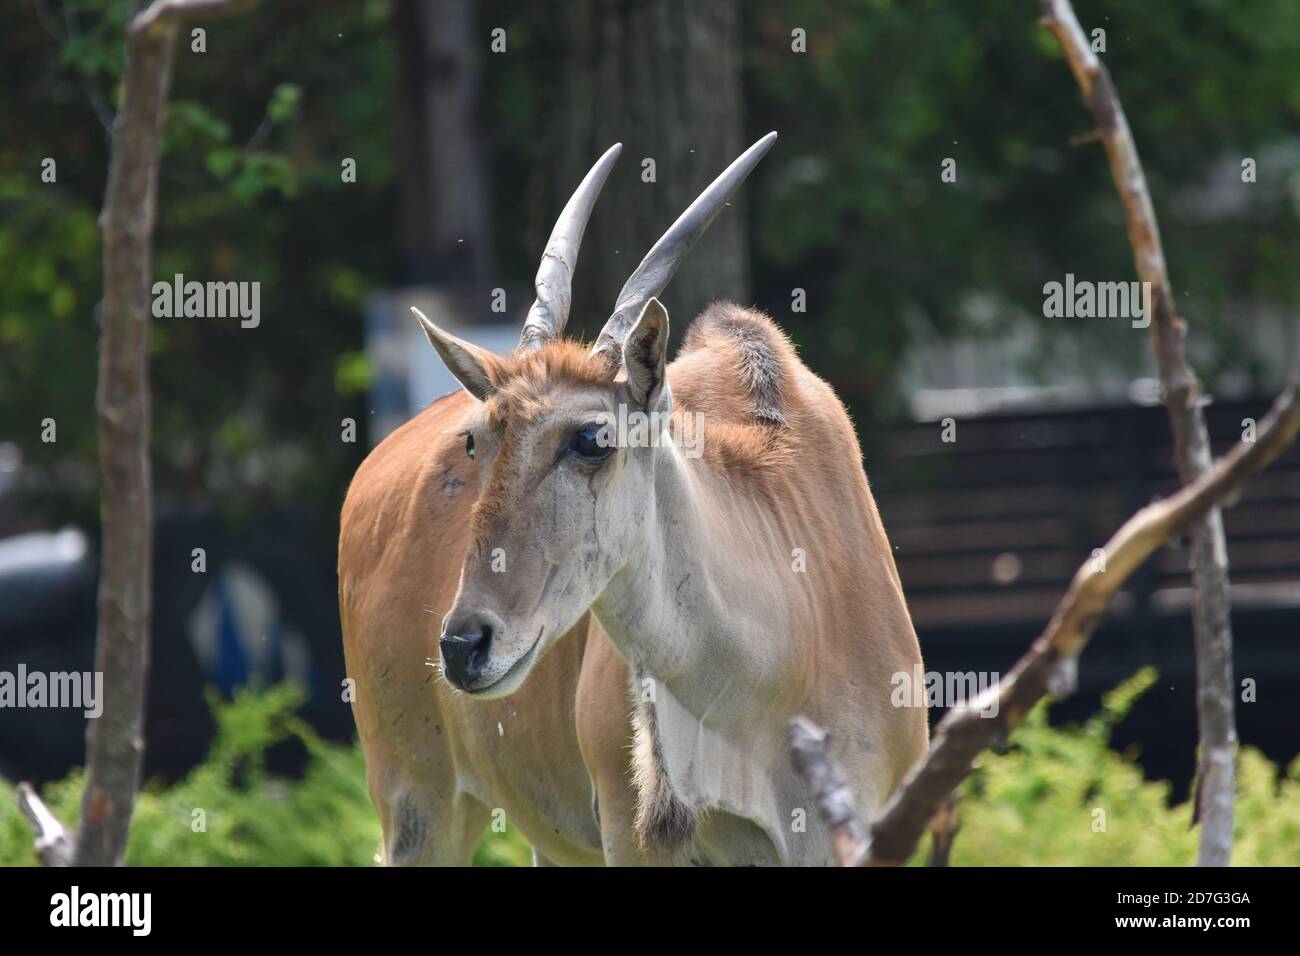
(162, 14)
(53, 843)
(943, 831)
(1211, 619)
(811, 758)
(1051, 661)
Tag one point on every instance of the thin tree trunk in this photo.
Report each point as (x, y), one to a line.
(1211, 625)
(115, 741)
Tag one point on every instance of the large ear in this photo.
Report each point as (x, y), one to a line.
(470, 364)
(645, 355)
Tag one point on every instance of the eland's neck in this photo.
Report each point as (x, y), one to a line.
(705, 603)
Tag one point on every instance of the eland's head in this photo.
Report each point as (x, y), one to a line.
(565, 440)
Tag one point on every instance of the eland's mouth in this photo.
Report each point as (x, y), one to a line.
(509, 682)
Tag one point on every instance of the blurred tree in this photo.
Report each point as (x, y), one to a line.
(443, 216)
(662, 78)
(665, 80)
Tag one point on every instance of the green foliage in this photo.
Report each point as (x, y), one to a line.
(251, 817)
(887, 251)
(503, 849)
(249, 190)
(1037, 803)
(1032, 804)
(286, 101)
(353, 373)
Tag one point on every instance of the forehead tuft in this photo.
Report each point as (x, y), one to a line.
(528, 382)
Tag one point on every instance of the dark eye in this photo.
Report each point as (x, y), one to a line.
(592, 443)
(469, 444)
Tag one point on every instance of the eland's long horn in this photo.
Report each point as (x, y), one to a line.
(554, 282)
(660, 263)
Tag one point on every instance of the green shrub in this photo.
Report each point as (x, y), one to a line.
(1044, 801)
(249, 817)
(1032, 804)
(229, 811)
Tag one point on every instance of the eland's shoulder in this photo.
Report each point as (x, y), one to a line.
(757, 400)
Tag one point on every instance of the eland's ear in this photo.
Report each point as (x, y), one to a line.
(470, 364)
(645, 354)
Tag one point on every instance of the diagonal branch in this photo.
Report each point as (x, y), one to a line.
(53, 843)
(1211, 625)
(1050, 664)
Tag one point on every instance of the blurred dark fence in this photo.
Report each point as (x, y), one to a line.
(264, 608)
(989, 529)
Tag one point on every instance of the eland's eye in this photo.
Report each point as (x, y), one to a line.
(592, 443)
(469, 444)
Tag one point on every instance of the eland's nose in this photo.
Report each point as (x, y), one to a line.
(465, 648)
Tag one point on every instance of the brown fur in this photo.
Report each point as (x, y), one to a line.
(759, 354)
(748, 361)
(437, 762)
